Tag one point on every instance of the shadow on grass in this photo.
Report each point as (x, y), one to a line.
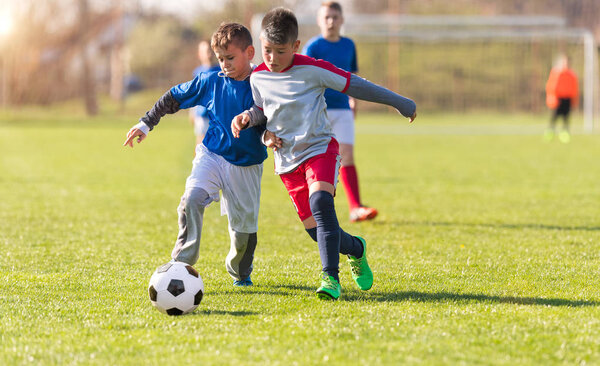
(416, 296)
(257, 289)
(456, 297)
(496, 226)
(225, 312)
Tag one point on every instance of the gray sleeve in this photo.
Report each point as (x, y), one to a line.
(167, 104)
(363, 89)
(257, 117)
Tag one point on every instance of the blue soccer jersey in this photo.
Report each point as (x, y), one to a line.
(343, 55)
(223, 98)
(200, 110)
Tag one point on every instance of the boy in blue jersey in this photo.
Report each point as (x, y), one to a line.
(199, 114)
(341, 109)
(222, 163)
(288, 97)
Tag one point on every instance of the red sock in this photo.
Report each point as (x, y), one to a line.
(349, 178)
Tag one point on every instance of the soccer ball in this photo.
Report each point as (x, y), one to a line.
(176, 288)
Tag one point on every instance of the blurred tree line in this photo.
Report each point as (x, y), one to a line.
(115, 46)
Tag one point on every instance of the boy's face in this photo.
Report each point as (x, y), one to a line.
(234, 61)
(278, 57)
(330, 22)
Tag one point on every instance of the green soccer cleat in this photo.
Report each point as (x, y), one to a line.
(361, 273)
(564, 137)
(548, 135)
(330, 288)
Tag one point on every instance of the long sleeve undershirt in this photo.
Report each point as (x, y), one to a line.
(359, 88)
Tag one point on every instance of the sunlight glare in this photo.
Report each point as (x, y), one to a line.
(5, 25)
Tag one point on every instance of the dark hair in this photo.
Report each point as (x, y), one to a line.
(280, 26)
(332, 5)
(231, 33)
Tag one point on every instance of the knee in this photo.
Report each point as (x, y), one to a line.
(321, 201)
(195, 197)
(347, 154)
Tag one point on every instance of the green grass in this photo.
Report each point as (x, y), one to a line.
(486, 250)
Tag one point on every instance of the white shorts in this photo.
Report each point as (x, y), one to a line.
(342, 123)
(240, 186)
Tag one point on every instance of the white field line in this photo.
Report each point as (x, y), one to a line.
(466, 130)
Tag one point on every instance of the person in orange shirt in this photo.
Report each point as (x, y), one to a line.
(562, 94)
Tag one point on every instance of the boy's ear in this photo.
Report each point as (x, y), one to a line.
(250, 51)
(296, 45)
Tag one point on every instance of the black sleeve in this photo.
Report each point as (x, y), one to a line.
(167, 104)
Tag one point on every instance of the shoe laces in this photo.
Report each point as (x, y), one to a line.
(356, 265)
(328, 282)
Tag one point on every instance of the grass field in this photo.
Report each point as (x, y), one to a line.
(486, 250)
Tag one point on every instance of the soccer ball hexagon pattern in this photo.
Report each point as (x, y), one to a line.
(176, 288)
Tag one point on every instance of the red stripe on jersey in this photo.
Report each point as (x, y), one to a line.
(261, 67)
(306, 60)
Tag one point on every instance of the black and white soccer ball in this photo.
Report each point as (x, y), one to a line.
(176, 288)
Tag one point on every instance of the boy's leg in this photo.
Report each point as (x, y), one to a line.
(200, 127)
(191, 212)
(328, 231)
(349, 245)
(342, 124)
(199, 193)
(241, 201)
(564, 110)
(240, 257)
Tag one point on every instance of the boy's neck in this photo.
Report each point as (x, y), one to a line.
(290, 64)
(331, 37)
(245, 75)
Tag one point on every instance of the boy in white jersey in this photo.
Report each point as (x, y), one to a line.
(288, 95)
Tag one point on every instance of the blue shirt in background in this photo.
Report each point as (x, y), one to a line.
(223, 98)
(342, 54)
(200, 110)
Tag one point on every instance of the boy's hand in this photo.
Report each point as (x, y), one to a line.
(272, 141)
(133, 133)
(412, 118)
(238, 123)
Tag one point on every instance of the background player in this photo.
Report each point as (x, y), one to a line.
(222, 163)
(562, 93)
(341, 109)
(199, 114)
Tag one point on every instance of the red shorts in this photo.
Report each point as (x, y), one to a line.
(319, 168)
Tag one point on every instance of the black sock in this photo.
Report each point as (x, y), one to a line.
(328, 231)
(313, 233)
(350, 245)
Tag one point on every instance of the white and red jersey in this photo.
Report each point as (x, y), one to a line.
(293, 102)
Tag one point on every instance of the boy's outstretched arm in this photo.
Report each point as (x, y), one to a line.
(166, 104)
(135, 131)
(248, 118)
(363, 89)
